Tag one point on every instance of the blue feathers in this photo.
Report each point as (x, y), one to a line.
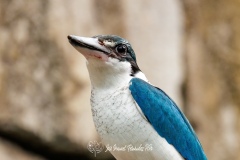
(167, 119)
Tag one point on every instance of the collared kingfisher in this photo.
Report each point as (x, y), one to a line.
(129, 113)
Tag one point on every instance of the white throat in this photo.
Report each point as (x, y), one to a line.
(108, 75)
(111, 74)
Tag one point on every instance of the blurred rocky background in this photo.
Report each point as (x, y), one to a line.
(188, 48)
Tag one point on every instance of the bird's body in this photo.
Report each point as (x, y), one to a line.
(116, 113)
(124, 106)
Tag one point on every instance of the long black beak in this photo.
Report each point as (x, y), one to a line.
(88, 43)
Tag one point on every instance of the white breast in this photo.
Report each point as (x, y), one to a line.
(120, 123)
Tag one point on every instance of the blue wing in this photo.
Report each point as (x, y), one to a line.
(167, 119)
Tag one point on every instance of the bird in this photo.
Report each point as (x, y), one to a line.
(136, 119)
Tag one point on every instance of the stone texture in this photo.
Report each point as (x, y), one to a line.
(44, 84)
(212, 84)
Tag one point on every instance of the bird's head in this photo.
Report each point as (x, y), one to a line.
(108, 56)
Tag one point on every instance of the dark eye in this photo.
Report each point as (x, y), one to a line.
(122, 49)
